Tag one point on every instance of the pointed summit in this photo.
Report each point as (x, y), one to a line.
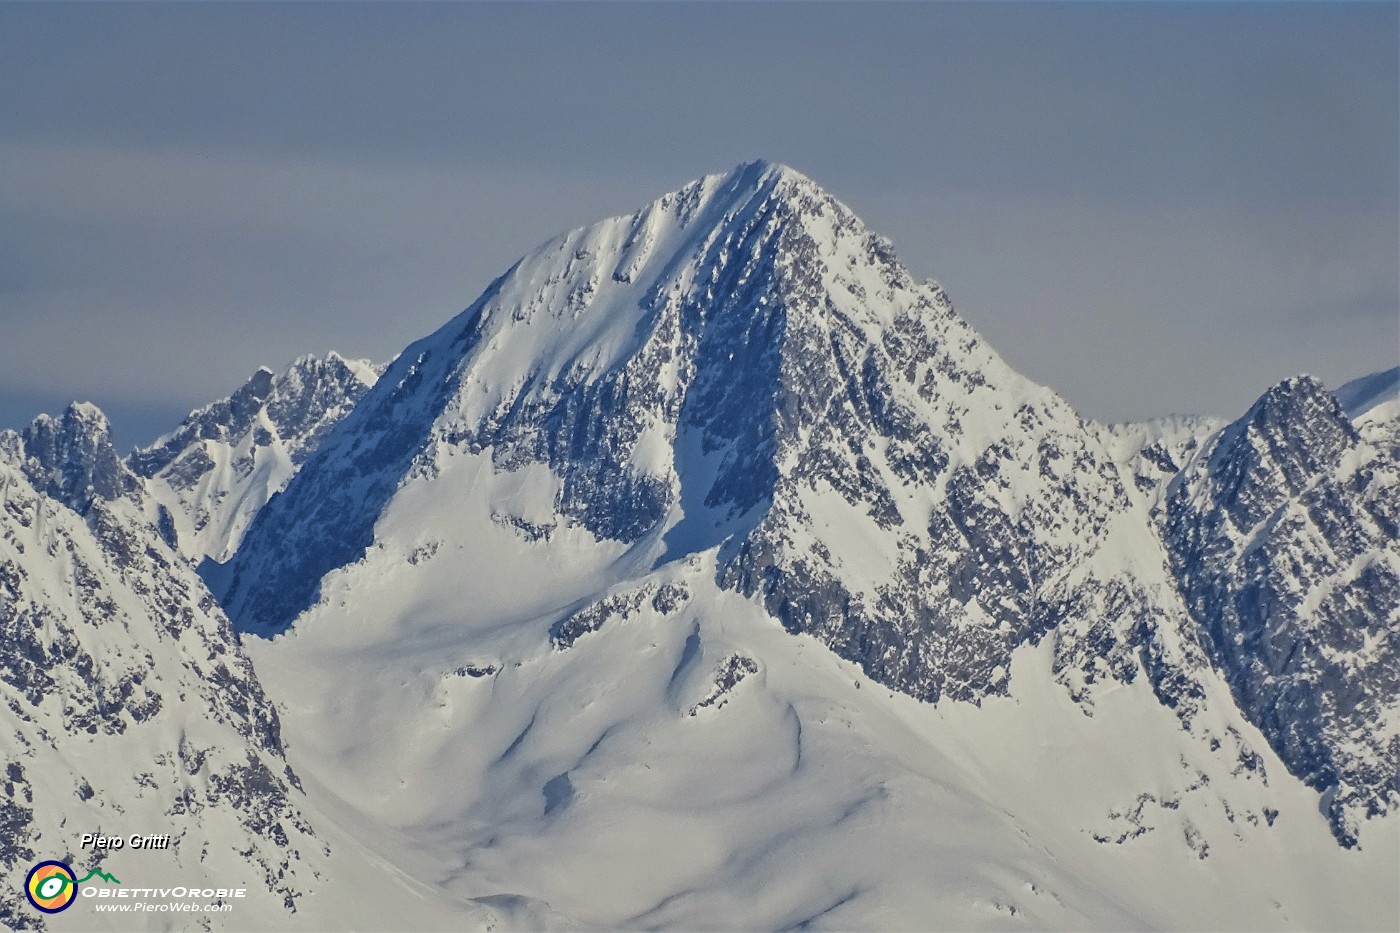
(742, 369)
(701, 374)
(1282, 534)
(71, 458)
(1295, 430)
(730, 314)
(226, 459)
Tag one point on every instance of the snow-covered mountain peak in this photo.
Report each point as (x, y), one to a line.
(1302, 396)
(744, 255)
(71, 457)
(662, 449)
(1282, 531)
(80, 413)
(705, 540)
(1295, 429)
(286, 405)
(226, 459)
(596, 283)
(719, 322)
(366, 371)
(743, 365)
(741, 376)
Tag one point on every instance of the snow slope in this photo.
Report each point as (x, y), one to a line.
(127, 706)
(689, 764)
(1373, 405)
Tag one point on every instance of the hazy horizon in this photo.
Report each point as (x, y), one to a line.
(1149, 208)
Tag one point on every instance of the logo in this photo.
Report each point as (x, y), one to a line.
(51, 886)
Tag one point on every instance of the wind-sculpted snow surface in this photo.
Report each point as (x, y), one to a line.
(218, 468)
(1285, 534)
(128, 706)
(673, 759)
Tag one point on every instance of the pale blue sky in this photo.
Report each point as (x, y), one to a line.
(1150, 207)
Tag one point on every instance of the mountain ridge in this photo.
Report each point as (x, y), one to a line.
(708, 542)
(716, 368)
(631, 297)
(245, 448)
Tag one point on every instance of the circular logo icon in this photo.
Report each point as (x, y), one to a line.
(51, 886)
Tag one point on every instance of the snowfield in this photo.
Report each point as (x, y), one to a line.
(586, 787)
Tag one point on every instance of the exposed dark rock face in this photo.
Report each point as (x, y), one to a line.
(16, 851)
(726, 677)
(71, 458)
(298, 407)
(1285, 536)
(663, 598)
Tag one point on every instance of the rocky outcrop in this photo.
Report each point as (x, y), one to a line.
(1285, 537)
